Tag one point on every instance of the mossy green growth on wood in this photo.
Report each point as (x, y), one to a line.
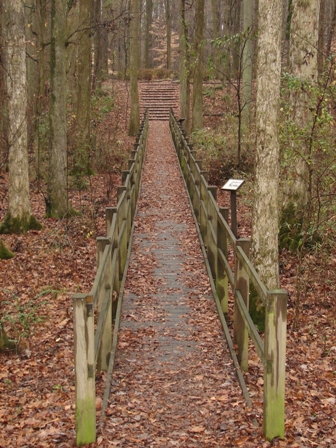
(5, 343)
(256, 309)
(292, 232)
(85, 421)
(19, 225)
(5, 254)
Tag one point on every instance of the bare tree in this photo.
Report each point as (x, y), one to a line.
(134, 47)
(197, 104)
(57, 199)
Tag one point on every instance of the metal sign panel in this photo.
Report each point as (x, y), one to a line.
(233, 184)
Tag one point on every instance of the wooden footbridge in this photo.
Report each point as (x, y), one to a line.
(146, 320)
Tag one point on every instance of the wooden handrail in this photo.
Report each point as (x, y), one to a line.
(216, 237)
(93, 349)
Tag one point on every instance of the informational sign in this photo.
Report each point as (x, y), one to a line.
(233, 184)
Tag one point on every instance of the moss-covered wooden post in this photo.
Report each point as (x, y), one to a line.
(242, 284)
(106, 343)
(275, 364)
(84, 369)
(222, 280)
(212, 230)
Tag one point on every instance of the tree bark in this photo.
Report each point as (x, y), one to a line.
(19, 217)
(247, 63)
(148, 25)
(134, 47)
(82, 155)
(169, 32)
(303, 66)
(184, 67)
(265, 210)
(215, 32)
(197, 106)
(331, 30)
(321, 38)
(3, 97)
(57, 200)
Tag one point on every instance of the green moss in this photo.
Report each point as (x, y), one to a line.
(256, 309)
(19, 225)
(56, 214)
(292, 234)
(85, 421)
(5, 254)
(5, 343)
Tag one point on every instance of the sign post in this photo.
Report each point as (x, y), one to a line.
(233, 185)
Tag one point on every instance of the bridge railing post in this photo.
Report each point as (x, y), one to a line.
(106, 344)
(222, 280)
(242, 287)
(84, 369)
(274, 364)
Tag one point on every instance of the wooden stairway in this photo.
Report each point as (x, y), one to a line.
(159, 97)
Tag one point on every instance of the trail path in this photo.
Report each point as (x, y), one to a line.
(173, 383)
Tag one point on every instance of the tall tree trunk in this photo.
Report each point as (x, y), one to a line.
(265, 210)
(321, 38)
(19, 217)
(184, 67)
(148, 26)
(215, 32)
(72, 52)
(98, 41)
(197, 106)
(82, 156)
(57, 201)
(247, 65)
(169, 32)
(331, 31)
(42, 96)
(134, 47)
(3, 97)
(303, 66)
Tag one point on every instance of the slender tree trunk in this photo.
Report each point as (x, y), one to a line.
(98, 44)
(184, 68)
(82, 156)
(215, 31)
(57, 201)
(265, 210)
(331, 31)
(169, 32)
(3, 97)
(72, 53)
(247, 65)
(42, 96)
(303, 66)
(197, 106)
(148, 26)
(134, 48)
(19, 217)
(321, 38)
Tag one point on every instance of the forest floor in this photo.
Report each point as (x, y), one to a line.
(37, 380)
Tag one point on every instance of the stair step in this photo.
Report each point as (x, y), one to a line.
(158, 97)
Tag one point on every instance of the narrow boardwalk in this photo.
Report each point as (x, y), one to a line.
(174, 383)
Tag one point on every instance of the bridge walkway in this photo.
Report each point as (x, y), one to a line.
(174, 383)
